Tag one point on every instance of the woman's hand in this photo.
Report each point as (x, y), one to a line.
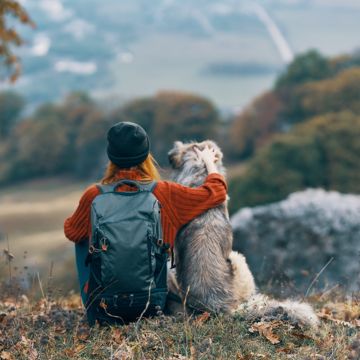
(208, 156)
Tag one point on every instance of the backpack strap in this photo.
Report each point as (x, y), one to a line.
(173, 296)
(147, 187)
(113, 186)
(105, 188)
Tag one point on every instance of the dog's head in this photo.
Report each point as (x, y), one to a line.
(188, 168)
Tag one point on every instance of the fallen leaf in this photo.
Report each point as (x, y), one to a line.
(25, 299)
(6, 356)
(60, 329)
(122, 355)
(178, 356)
(302, 336)
(273, 338)
(203, 317)
(79, 348)
(82, 336)
(264, 329)
(325, 314)
(246, 357)
(356, 323)
(262, 356)
(118, 336)
(32, 352)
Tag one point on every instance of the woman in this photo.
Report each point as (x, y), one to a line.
(129, 154)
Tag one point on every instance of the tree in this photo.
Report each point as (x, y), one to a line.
(184, 117)
(58, 139)
(171, 116)
(138, 111)
(91, 144)
(36, 148)
(311, 66)
(323, 152)
(11, 105)
(10, 65)
(335, 94)
(254, 127)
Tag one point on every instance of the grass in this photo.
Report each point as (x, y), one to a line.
(58, 329)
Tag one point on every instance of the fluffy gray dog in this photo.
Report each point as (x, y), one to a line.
(206, 267)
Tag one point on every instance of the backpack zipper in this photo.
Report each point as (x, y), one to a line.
(112, 222)
(149, 242)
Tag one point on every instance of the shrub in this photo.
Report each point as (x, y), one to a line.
(323, 152)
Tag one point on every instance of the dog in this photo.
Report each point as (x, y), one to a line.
(209, 275)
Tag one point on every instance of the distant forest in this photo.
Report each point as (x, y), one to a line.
(303, 133)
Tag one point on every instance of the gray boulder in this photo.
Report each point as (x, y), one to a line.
(293, 239)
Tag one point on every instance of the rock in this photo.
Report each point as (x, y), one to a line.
(300, 235)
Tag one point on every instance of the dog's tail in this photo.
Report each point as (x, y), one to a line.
(261, 305)
(254, 304)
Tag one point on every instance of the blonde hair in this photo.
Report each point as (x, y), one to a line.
(148, 169)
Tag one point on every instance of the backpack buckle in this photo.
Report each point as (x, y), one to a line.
(103, 245)
(91, 249)
(160, 242)
(167, 248)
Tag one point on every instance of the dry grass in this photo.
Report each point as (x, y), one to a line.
(59, 330)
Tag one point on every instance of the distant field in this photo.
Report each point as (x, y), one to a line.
(33, 214)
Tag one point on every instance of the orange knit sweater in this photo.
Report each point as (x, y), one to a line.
(180, 204)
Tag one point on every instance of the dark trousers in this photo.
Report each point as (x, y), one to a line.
(81, 252)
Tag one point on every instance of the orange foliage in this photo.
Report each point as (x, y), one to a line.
(256, 125)
(335, 94)
(9, 38)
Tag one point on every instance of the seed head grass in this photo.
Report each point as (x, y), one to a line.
(59, 330)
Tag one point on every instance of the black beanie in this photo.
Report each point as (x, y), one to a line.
(129, 144)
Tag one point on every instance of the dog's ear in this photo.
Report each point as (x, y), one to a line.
(174, 155)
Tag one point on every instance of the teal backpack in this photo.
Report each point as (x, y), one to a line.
(127, 256)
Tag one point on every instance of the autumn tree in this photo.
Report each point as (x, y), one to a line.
(322, 152)
(57, 139)
(10, 12)
(139, 111)
(319, 97)
(184, 117)
(254, 127)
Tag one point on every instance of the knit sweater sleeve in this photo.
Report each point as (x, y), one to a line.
(183, 204)
(76, 226)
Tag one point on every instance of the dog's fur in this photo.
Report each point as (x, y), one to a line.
(214, 276)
